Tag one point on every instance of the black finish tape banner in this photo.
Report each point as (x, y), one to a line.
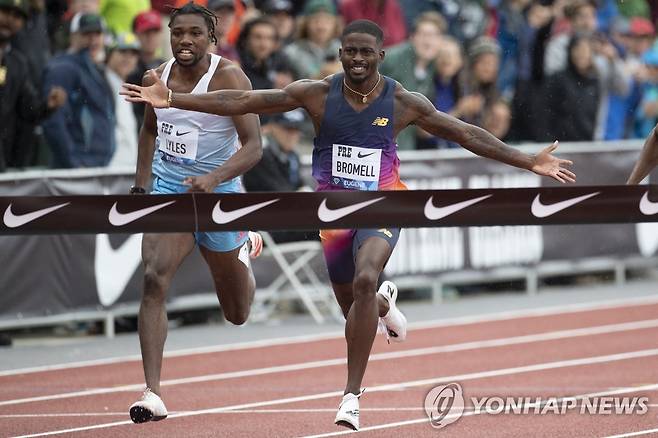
(284, 211)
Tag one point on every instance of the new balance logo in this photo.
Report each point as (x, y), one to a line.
(380, 121)
(387, 233)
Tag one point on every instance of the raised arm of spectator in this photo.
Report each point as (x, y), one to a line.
(647, 161)
(55, 127)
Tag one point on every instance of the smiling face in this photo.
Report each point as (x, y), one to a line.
(189, 39)
(360, 55)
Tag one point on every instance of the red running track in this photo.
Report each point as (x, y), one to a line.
(293, 389)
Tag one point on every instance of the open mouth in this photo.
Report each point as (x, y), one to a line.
(185, 55)
(358, 69)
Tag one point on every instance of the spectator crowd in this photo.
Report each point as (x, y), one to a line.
(526, 70)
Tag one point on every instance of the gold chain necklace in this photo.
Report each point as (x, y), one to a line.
(364, 96)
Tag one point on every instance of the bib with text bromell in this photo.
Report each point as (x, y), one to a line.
(355, 168)
(178, 143)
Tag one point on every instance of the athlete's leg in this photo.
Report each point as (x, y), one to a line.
(361, 326)
(339, 256)
(234, 281)
(162, 254)
(344, 293)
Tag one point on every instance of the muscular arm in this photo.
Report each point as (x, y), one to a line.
(473, 138)
(648, 159)
(146, 143)
(238, 102)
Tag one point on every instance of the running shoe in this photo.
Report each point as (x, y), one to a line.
(394, 323)
(256, 244)
(348, 411)
(149, 408)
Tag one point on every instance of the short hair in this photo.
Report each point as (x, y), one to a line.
(193, 8)
(431, 17)
(364, 26)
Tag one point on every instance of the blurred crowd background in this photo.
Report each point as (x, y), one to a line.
(526, 70)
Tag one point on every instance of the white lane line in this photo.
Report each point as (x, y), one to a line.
(638, 433)
(238, 411)
(472, 412)
(474, 345)
(491, 317)
(389, 387)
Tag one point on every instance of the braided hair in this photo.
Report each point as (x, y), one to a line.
(193, 8)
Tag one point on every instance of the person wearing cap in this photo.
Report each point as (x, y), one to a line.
(81, 133)
(147, 27)
(281, 14)
(20, 100)
(641, 34)
(314, 54)
(119, 14)
(121, 61)
(279, 168)
(225, 12)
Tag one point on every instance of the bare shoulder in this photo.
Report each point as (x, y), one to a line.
(147, 80)
(410, 105)
(305, 88)
(229, 75)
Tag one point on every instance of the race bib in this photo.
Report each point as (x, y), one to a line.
(177, 143)
(355, 168)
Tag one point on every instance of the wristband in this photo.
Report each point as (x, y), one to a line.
(137, 190)
(170, 95)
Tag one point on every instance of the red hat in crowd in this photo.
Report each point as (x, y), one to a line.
(641, 27)
(145, 21)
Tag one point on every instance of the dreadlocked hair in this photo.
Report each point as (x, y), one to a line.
(193, 8)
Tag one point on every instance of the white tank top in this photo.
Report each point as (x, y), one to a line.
(191, 143)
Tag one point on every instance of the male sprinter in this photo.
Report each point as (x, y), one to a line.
(648, 159)
(188, 151)
(357, 115)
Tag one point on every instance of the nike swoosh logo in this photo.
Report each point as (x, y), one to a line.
(542, 210)
(115, 267)
(325, 214)
(118, 219)
(182, 133)
(224, 217)
(647, 207)
(12, 220)
(366, 155)
(433, 213)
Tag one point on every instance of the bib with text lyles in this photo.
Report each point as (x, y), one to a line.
(177, 143)
(355, 168)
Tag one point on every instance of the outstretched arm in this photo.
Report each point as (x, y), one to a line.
(483, 143)
(222, 102)
(648, 159)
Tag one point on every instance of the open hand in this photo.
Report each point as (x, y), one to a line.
(155, 95)
(548, 165)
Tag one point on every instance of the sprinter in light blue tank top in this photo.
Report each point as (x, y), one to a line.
(190, 151)
(353, 153)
